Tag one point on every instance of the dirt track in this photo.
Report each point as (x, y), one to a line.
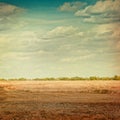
(60, 100)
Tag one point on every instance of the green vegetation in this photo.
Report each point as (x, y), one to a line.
(116, 77)
(2, 79)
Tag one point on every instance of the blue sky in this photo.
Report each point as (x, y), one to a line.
(59, 38)
(46, 3)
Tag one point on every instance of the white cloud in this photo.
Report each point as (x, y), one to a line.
(62, 31)
(109, 33)
(82, 12)
(8, 9)
(72, 6)
(102, 29)
(101, 12)
(112, 28)
(76, 59)
(9, 17)
(109, 6)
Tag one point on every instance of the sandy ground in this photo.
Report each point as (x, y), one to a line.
(60, 100)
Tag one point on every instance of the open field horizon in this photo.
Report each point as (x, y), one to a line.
(60, 100)
(76, 78)
(59, 59)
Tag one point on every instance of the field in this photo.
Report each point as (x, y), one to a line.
(60, 100)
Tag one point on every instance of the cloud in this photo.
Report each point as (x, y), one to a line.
(8, 9)
(72, 6)
(76, 59)
(110, 35)
(10, 40)
(111, 30)
(9, 17)
(106, 6)
(101, 12)
(62, 31)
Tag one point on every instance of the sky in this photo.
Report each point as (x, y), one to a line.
(59, 38)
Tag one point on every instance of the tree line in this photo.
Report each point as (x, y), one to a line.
(116, 77)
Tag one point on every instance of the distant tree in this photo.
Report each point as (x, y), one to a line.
(12, 79)
(116, 77)
(93, 78)
(22, 79)
(64, 78)
(38, 79)
(2, 79)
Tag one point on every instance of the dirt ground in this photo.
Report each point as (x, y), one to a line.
(60, 100)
